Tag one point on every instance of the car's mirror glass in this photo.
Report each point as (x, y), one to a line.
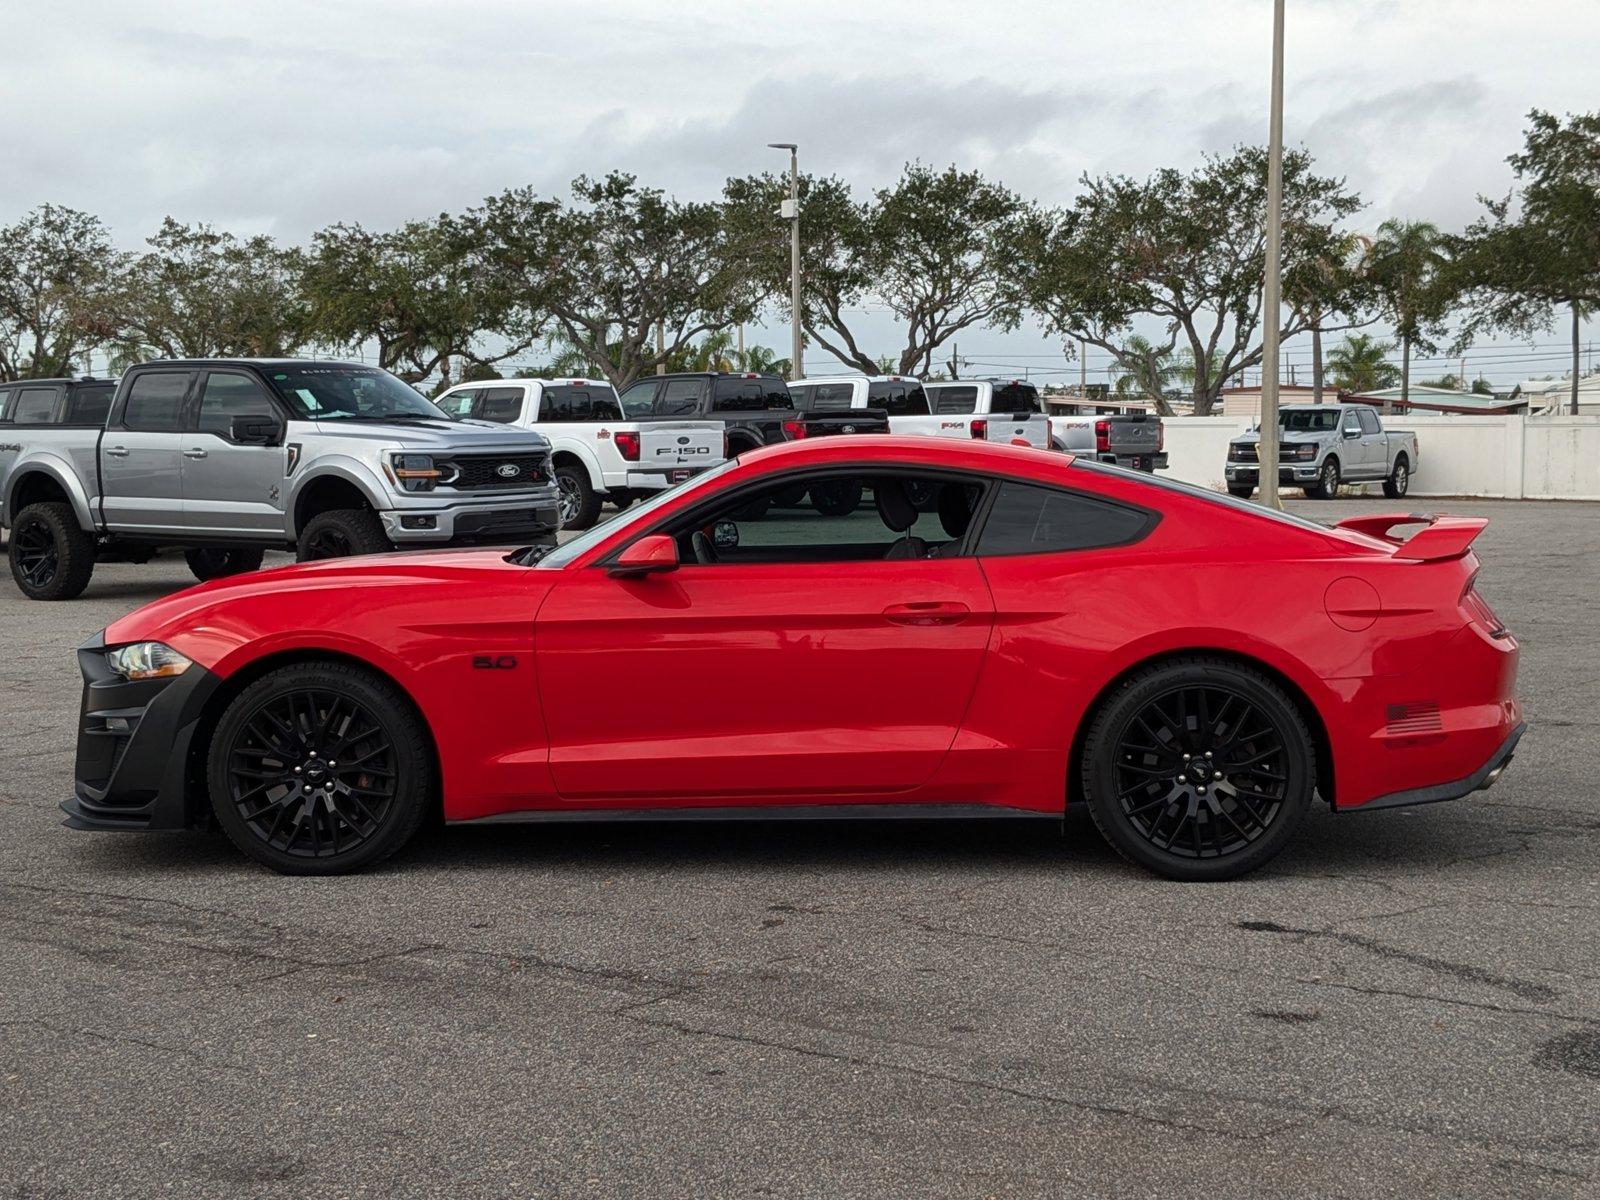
(725, 535)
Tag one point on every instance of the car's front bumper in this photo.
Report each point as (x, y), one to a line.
(1296, 474)
(417, 522)
(134, 741)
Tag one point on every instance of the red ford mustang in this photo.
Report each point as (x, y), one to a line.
(970, 629)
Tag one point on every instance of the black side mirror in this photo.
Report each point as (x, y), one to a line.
(256, 431)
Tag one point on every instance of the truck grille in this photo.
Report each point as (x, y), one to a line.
(476, 472)
(1247, 454)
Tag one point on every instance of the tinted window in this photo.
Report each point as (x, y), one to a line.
(776, 393)
(899, 399)
(680, 397)
(228, 395)
(155, 400)
(1015, 398)
(955, 399)
(1369, 420)
(636, 401)
(1036, 520)
(459, 403)
(832, 397)
(800, 394)
(1309, 420)
(1352, 423)
(90, 405)
(35, 404)
(737, 395)
(587, 403)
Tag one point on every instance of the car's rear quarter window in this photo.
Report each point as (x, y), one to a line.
(1029, 519)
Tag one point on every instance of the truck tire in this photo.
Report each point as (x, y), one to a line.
(218, 562)
(1399, 481)
(1327, 485)
(52, 557)
(1243, 491)
(789, 497)
(580, 503)
(621, 497)
(341, 533)
(836, 499)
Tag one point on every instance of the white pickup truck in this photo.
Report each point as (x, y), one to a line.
(1127, 440)
(598, 455)
(912, 410)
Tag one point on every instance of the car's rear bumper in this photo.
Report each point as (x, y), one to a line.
(655, 480)
(134, 741)
(1155, 461)
(1484, 777)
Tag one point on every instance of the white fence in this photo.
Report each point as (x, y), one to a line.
(1514, 458)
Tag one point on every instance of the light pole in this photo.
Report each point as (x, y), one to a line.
(790, 211)
(1267, 444)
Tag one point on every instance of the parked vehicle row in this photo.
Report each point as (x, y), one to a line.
(1321, 446)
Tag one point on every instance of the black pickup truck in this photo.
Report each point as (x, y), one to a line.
(757, 410)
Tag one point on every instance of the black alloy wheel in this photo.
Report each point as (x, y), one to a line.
(52, 557)
(34, 553)
(320, 768)
(1199, 769)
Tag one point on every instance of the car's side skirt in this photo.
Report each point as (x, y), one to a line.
(777, 812)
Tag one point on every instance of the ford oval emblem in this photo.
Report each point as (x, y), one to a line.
(848, 429)
(683, 441)
(508, 470)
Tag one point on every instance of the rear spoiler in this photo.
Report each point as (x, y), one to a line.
(1444, 537)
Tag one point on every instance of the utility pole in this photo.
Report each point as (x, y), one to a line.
(741, 345)
(661, 338)
(791, 212)
(1267, 446)
(1083, 367)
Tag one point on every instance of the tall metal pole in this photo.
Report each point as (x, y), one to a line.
(1267, 447)
(797, 368)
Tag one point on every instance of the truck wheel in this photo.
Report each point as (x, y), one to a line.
(1242, 491)
(580, 503)
(1327, 485)
(837, 499)
(1399, 480)
(621, 497)
(789, 497)
(341, 533)
(218, 562)
(51, 556)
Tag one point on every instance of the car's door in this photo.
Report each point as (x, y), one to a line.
(1351, 450)
(141, 482)
(229, 487)
(802, 664)
(1374, 451)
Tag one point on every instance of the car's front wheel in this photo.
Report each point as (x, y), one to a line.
(1327, 485)
(320, 769)
(341, 533)
(218, 562)
(52, 557)
(1198, 768)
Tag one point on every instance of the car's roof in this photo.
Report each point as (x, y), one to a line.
(962, 452)
(856, 379)
(996, 380)
(54, 379)
(564, 381)
(255, 362)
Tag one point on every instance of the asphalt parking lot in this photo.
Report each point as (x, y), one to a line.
(1403, 1004)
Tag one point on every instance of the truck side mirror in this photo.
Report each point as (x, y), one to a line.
(256, 431)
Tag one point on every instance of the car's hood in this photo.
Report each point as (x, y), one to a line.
(1285, 437)
(438, 435)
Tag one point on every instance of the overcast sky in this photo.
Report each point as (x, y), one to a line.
(280, 117)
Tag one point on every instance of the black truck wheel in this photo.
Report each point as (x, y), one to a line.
(218, 562)
(52, 557)
(836, 498)
(341, 533)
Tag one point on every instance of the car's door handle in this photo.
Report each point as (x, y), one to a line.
(117, 451)
(927, 612)
(194, 452)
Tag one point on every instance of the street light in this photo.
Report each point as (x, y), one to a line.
(790, 211)
(1267, 443)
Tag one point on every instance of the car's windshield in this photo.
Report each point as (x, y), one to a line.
(1309, 420)
(334, 391)
(568, 551)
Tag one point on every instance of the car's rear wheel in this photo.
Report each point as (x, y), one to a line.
(341, 533)
(52, 557)
(1327, 485)
(320, 769)
(1399, 481)
(1198, 769)
(218, 562)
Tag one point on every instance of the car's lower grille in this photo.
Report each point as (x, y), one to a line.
(478, 471)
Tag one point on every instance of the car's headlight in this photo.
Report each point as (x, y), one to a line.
(147, 660)
(1309, 450)
(414, 472)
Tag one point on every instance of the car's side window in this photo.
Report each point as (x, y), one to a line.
(1028, 519)
(89, 405)
(458, 404)
(229, 394)
(735, 395)
(832, 397)
(1352, 423)
(680, 397)
(502, 405)
(832, 517)
(637, 400)
(35, 405)
(1369, 421)
(5, 405)
(155, 401)
(956, 400)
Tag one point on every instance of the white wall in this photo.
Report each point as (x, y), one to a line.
(1534, 458)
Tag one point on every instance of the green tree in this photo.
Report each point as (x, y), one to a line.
(1413, 287)
(935, 249)
(1189, 251)
(198, 293)
(59, 278)
(1360, 364)
(1145, 369)
(1333, 292)
(620, 268)
(420, 294)
(765, 360)
(1517, 272)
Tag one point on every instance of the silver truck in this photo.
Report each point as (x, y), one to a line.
(1321, 446)
(227, 458)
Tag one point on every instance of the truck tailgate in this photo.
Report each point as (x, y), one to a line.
(1134, 434)
(1033, 428)
(671, 443)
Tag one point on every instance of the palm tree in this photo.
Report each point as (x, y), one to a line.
(764, 360)
(1338, 272)
(1360, 364)
(1407, 258)
(1145, 369)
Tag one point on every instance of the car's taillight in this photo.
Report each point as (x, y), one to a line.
(1102, 436)
(979, 428)
(1478, 610)
(794, 430)
(627, 444)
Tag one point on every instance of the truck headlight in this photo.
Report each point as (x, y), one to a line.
(1307, 451)
(147, 660)
(414, 472)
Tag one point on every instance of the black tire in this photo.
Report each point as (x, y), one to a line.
(621, 498)
(836, 498)
(1399, 481)
(52, 557)
(1241, 491)
(580, 503)
(290, 727)
(218, 562)
(789, 497)
(1327, 485)
(341, 533)
(1150, 804)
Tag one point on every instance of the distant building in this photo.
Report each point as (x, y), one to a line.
(1540, 394)
(1440, 400)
